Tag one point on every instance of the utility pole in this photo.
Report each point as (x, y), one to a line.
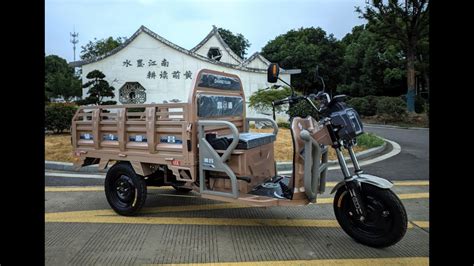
(74, 35)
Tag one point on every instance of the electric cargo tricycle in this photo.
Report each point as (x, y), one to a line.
(205, 146)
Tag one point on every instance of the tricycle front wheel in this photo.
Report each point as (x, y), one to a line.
(385, 223)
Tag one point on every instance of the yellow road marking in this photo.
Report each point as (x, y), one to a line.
(396, 183)
(109, 216)
(411, 183)
(101, 188)
(219, 206)
(414, 195)
(340, 262)
(89, 188)
(422, 224)
(203, 207)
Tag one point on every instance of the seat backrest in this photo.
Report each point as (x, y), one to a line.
(218, 96)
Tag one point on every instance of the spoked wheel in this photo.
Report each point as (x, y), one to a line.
(124, 189)
(385, 223)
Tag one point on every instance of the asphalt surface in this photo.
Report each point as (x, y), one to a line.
(176, 228)
(411, 163)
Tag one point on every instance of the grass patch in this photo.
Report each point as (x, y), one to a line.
(59, 148)
(369, 140)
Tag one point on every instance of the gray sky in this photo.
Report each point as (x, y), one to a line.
(187, 22)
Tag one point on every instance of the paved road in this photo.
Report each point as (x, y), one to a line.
(412, 162)
(81, 229)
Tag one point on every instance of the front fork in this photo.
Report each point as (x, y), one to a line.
(351, 183)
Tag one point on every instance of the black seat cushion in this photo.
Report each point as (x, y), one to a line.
(247, 140)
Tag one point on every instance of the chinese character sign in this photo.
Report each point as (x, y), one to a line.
(151, 74)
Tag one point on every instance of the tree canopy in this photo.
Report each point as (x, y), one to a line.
(237, 42)
(371, 65)
(100, 47)
(98, 89)
(60, 80)
(307, 49)
(405, 23)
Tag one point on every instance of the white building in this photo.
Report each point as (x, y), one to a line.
(147, 68)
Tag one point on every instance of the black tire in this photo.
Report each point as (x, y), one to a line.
(386, 221)
(124, 189)
(182, 189)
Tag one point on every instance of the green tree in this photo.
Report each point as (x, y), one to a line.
(405, 22)
(305, 49)
(262, 99)
(372, 65)
(100, 47)
(99, 89)
(60, 80)
(237, 42)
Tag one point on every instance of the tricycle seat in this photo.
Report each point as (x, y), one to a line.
(247, 140)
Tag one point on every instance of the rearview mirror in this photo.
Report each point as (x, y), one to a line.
(272, 73)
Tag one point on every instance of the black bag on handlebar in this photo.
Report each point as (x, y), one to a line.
(348, 122)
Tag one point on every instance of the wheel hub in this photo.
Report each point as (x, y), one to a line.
(124, 188)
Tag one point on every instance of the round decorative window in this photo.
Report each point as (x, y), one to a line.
(132, 92)
(214, 53)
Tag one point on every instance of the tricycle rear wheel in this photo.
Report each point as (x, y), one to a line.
(124, 189)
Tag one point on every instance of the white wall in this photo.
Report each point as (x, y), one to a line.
(147, 48)
(214, 42)
(258, 63)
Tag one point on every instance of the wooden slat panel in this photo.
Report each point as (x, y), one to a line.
(150, 128)
(89, 122)
(137, 145)
(112, 128)
(95, 129)
(170, 123)
(109, 143)
(169, 147)
(168, 130)
(136, 129)
(121, 128)
(108, 122)
(169, 113)
(141, 122)
(135, 113)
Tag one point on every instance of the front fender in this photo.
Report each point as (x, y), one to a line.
(368, 179)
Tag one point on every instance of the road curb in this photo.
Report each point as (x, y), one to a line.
(288, 166)
(281, 166)
(398, 127)
(62, 166)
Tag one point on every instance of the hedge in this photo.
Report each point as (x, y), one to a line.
(58, 116)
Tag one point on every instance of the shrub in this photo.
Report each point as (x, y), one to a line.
(362, 105)
(58, 116)
(419, 104)
(391, 109)
(303, 109)
(283, 124)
